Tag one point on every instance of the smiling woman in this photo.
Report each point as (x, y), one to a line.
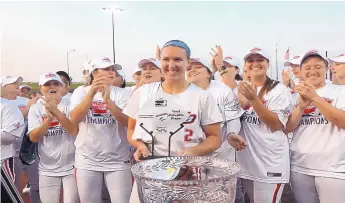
(318, 129)
(201, 135)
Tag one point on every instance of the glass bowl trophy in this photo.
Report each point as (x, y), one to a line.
(171, 179)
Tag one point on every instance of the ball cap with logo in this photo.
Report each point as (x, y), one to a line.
(313, 52)
(6, 80)
(296, 60)
(338, 59)
(101, 63)
(149, 60)
(256, 50)
(49, 77)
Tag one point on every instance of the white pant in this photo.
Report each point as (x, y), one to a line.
(263, 192)
(311, 189)
(118, 183)
(32, 175)
(50, 188)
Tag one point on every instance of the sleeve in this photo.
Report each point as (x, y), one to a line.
(209, 111)
(124, 98)
(12, 120)
(233, 126)
(132, 106)
(232, 108)
(77, 97)
(280, 103)
(34, 118)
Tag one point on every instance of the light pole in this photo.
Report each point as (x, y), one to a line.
(113, 9)
(72, 50)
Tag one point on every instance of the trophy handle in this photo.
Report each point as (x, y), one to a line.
(152, 138)
(173, 133)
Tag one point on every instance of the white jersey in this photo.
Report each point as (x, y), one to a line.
(56, 148)
(267, 157)
(318, 146)
(228, 106)
(68, 96)
(21, 102)
(101, 144)
(198, 106)
(12, 122)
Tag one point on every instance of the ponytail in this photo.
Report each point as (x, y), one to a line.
(268, 86)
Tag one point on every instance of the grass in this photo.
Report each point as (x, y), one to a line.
(35, 87)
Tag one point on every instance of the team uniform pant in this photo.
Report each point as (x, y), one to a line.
(311, 189)
(118, 183)
(32, 175)
(9, 192)
(50, 188)
(259, 192)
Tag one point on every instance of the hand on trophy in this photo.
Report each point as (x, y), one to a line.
(142, 151)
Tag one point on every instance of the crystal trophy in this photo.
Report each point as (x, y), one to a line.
(186, 180)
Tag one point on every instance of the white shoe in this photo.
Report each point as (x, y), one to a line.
(26, 189)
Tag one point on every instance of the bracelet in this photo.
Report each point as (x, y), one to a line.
(223, 73)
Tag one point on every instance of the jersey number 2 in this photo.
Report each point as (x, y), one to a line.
(188, 135)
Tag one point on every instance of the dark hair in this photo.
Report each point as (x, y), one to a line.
(123, 83)
(178, 43)
(238, 77)
(63, 73)
(268, 86)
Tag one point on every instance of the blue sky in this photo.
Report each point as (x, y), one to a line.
(35, 36)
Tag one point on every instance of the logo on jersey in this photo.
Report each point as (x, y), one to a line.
(313, 116)
(99, 114)
(161, 103)
(55, 128)
(100, 109)
(16, 125)
(233, 105)
(312, 110)
(190, 119)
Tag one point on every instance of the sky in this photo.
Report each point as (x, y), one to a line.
(36, 36)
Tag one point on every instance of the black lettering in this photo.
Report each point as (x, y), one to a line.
(101, 120)
(313, 121)
(252, 120)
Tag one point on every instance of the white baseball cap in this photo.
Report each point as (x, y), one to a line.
(102, 62)
(24, 86)
(231, 61)
(149, 60)
(313, 52)
(338, 59)
(49, 77)
(296, 60)
(201, 61)
(86, 66)
(256, 50)
(6, 80)
(136, 70)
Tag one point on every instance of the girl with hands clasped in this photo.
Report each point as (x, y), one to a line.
(48, 124)
(317, 123)
(267, 105)
(102, 149)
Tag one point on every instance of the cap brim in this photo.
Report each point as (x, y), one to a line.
(250, 54)
(197, 61)
(287, 64)
(145, 61)
(313, 54)
(336, 59)
(117, 67)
